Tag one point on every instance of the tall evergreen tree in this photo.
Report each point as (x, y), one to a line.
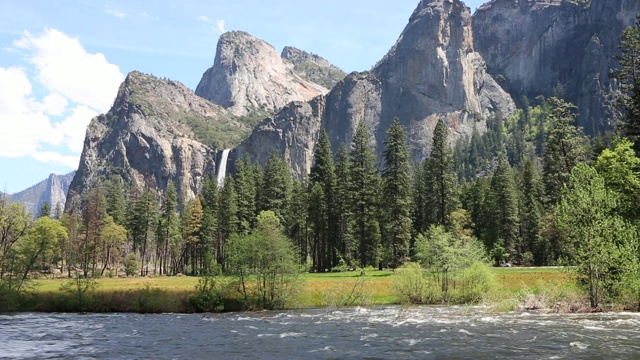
(208, 232)
(93, 215)
(502, 206)
(628, 80)
(58, 212)
(364, 184)
(141, 217)
(341, 207)
(440, 180)
(296, 219)
(168, 233)
(275, 190)
(45, 210)
(396, 195)
(565, 146)
(531, 213)
(246, 184)
(115, 197)
(227, 218)
(322, 174)
(191, 233)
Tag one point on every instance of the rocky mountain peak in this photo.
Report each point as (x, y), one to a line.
(248, 75)
(431, 72)
(52, 190)
(313, 67)
(157, 131)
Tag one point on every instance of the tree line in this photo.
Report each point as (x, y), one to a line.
(531, 190)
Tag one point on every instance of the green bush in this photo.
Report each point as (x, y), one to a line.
(209, 295)
(476, 281)
(131, 265)
(409, 284)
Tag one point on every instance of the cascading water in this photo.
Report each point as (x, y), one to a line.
(222, 168)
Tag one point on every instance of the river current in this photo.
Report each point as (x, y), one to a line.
(353, 333)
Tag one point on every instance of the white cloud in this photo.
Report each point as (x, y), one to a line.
(116, 13)
(54, 104)
(23, 126)
(74, 127)
(63, 66)
(205, 19)
(51, 157)
(77, 87)
(220, 25)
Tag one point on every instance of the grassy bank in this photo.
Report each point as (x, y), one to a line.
(172, 294)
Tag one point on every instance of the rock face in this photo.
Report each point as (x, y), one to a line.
(312, 67)
(431, 72)
(52, 190)
(151, 135)
(534, 46)
(249, 75)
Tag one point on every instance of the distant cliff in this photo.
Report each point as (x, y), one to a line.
(538, 47)
(431, 72)
(52, 190)
(248, 75)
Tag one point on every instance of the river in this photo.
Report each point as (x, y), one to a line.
(353, 333)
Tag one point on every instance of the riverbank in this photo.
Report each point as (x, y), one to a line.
(174, 294)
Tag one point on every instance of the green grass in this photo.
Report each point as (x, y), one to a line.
(333, 289)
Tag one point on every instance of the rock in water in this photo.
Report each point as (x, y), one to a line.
(248, 75)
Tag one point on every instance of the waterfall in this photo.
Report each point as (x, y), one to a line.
(222, 168)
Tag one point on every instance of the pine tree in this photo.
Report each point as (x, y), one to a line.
(208, 233)
(503, 209)
(564, 148)
(191, 233)
(115, 197)
(45, 210)
(322, 174)
(93, 215)
(168, 234)
(141, 217)
(296, 219)
(364, 184)
(227, 218)
(275, 190)
(341, 207)
(440, 180)
(58, 212)
(628, 79)
(396, 195)
(531, 213)
(246, 184)
(317, 221)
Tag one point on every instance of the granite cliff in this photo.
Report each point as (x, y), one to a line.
(157, 131)
(248, 75)
(534, 46)
(431, 72)
(52, 190)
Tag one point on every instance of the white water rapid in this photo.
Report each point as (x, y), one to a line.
(222, 168)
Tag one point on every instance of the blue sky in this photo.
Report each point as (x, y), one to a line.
(61, 61)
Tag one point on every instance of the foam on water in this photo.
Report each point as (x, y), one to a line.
(389, 331)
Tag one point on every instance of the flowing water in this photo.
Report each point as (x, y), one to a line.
(354, 333)
(222, 168)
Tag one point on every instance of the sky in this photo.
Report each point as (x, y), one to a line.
(62, 61)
